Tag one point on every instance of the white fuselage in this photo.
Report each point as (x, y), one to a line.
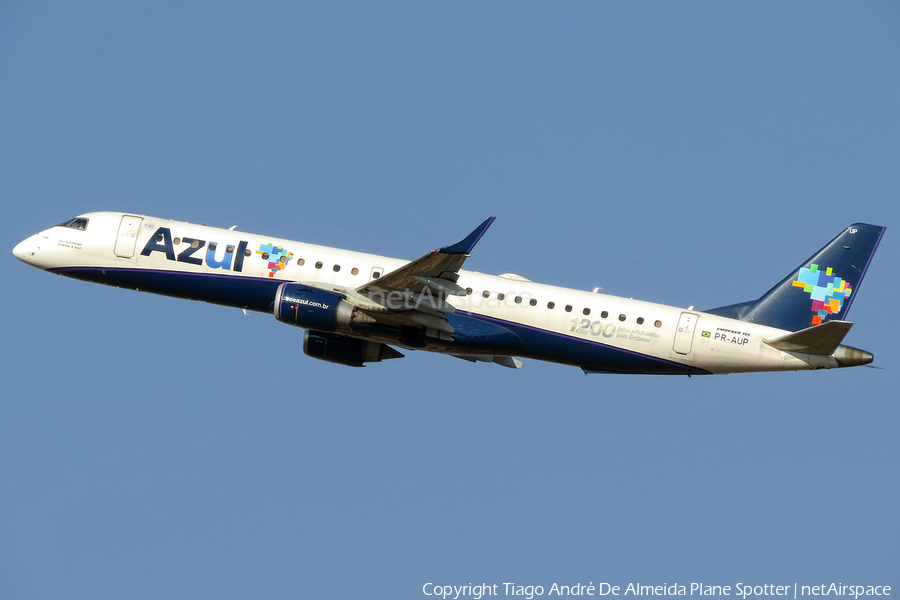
(549, 318)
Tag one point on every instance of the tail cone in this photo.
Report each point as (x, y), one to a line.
(847, 356)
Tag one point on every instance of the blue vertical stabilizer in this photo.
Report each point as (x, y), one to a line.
(821, 289)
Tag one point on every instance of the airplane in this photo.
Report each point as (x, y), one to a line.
(358, 308)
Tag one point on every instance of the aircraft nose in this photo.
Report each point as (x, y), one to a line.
(25, 249)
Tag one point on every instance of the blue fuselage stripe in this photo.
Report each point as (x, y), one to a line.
(593, 355)
(252, 293)
(258, 294)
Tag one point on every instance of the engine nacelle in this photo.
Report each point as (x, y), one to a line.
(312, 308)
(345, 351)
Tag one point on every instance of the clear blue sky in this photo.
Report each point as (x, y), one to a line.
(687, 153)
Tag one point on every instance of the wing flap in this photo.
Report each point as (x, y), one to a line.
(509, 362)
(442, 284)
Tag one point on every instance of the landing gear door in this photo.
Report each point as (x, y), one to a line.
(684, 334)
(126, 238)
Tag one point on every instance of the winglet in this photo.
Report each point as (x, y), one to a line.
(465, 246)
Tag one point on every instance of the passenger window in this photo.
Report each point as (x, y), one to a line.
(212, 246)
(177, 241)
(658, 324)
(518, 299)
(265, 255)
(337, 268)
(501, 296)
(551, 305)
(468, 291)
(486, 294)
(532, 302)
(621, 317)
(229, 250)
(354, 271)
(586, 312)
(319, 264)
(300, 262)
(640, 320)
(568, 308)
(604, 314)
(247, 253)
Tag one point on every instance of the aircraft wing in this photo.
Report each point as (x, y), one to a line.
(417, 291)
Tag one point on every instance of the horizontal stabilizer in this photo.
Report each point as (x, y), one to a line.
(821, 339)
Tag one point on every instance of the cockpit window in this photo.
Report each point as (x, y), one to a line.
(76, 223)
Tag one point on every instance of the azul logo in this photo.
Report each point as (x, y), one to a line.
(231, 258)
(828, 291)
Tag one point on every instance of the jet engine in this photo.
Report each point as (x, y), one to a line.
(345, 351)
(312, 308)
